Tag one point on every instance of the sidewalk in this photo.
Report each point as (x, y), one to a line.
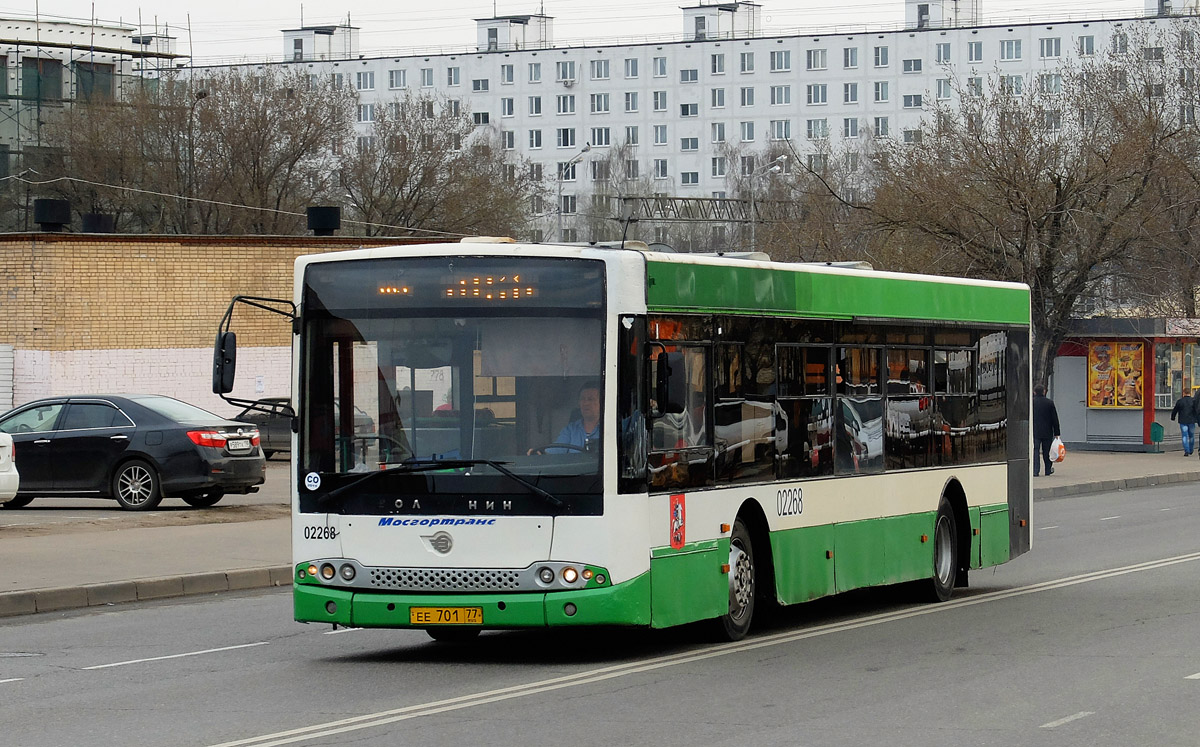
(84, 569)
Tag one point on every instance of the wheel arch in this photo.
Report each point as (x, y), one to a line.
(752, 515)
(126, 458)
(956, 496)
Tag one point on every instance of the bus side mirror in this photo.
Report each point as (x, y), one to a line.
(224, 362)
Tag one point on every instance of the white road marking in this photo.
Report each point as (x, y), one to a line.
(1053, 527)
(1068, 719)
(1193, 676)
(1110, 518)
(341, 630)
(381, 718)
(178, 656)
(14, 679)
(1164, 509)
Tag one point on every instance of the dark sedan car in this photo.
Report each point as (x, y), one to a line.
(135, 448)
(273, 416)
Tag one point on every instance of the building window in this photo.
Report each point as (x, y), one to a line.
(912, 101)
(1087, 46)
(660, 168)
(535, 106)
(507, 108)
(689, 75)
(815, 59)
(1120, 43)
(660, 134)
(660, 101)
(566, 103)
(506, 75)
(535, 139)
(781, 129)
(566, 137)
(453, 76)
(426, 77)
(975, 85)
(600, 103)
(599, 69)
(747, 132)
(631, 101)
(508, 140)
(781, 95)
(747, 96)
(660, 67)
(567, 171)
(631, 169)
(689, 110)
(364, 81)
(849, 93)
(747, 62)
(689, 143)
(600, 172)
(631, 134)
(881, 91)
(1050, 83)
(816, 94)
(366, 112)
(943, 53)
(850, 58)
(881, 57)
(631, 67)
(1013, 85)
(817, 129)
(1010, 49)
(1187, 114)
(912, 137)
(943, 89)
(717, 64)
(1152, 54)
(1050, 48)
(480, 118)
(535, 72)
(850, 127)
(689, 178)
(718, 132)
(569, 205)
(747, 165)
(1051, 120)
(817, 162)
(601, 136)
(975, 51)
(718, 98)
(911, 66)
(781, 61)
(564, 71)
(397, 79)
(881, 127)
(454, 106)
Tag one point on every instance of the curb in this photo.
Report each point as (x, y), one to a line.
(13, 603)
(1104, 486)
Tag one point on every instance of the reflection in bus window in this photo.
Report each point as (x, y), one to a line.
(680, 438)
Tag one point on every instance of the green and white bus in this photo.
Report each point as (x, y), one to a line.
(496, 435)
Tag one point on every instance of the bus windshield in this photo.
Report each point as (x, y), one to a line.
(458, 376)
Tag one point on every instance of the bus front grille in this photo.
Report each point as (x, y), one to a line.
(446, 579)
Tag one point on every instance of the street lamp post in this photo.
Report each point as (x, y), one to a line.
(562, 172)
(774, 167)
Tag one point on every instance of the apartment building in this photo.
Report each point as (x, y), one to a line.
(693, 115)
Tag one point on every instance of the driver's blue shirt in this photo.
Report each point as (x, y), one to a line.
(574, 434)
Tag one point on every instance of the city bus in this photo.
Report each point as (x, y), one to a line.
(613, 436)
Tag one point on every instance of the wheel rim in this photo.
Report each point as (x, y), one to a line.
(135, 485)
(943, 562)
(741, 580)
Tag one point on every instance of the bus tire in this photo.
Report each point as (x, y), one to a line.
(734, 624)
(453, 634)
(940, 585)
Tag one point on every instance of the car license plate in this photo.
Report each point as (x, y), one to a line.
(445, 615)
(238, 444)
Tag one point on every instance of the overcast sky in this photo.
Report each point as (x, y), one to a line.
(228, 29)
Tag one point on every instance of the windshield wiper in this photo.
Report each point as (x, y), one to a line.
(426, 465)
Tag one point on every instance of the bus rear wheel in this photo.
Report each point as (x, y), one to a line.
(735, 623)
(940, 585)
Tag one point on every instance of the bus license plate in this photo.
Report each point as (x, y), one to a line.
(239, 444)
(445, 615)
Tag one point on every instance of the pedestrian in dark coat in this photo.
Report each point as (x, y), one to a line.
(1045, 429)
(1185, 411)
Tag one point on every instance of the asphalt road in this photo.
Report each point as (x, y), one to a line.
(1089, 640)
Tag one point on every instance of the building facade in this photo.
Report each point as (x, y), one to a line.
(701, 115)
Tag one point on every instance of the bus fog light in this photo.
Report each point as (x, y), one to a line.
(570, 575)
(546, 575)
(568, 609)
(347, 572)
(587, 574)
(327, 572)
(302, 574)
(312, 570)
(331, 607)
(600, 579)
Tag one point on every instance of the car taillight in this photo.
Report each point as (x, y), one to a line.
(207, 438)
(255, 439)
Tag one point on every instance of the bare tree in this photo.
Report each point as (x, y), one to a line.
(426, 166)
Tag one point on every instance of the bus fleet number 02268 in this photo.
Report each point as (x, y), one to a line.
(790, 502)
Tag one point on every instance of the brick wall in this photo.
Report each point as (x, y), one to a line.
(89, 314)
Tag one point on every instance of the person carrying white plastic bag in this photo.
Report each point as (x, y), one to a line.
(1058, 452)
(1045, 431)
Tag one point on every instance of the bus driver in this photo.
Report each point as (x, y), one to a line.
(584, 430)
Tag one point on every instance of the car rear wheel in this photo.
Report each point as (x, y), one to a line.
(204, 500)
(18, 502)
(135, 486)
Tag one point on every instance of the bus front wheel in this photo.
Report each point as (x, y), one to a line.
(735, 623)
(945, 554)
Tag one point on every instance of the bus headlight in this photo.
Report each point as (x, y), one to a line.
(327, 571)
(570, 575)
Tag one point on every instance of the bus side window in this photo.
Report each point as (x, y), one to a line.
(681, 454)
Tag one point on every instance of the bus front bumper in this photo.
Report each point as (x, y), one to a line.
(627, 603)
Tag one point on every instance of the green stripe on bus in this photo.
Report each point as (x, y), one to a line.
(678, 286)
